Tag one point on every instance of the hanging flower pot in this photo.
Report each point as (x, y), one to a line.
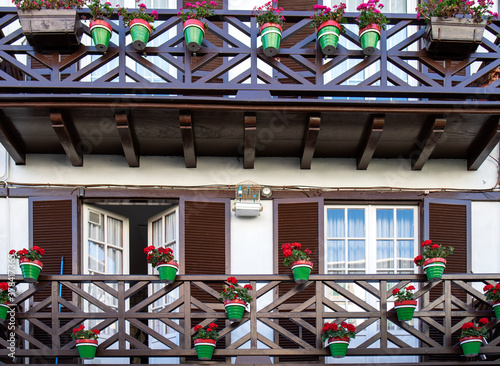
(434, 268)
(140, 30)
(194, 31)
(168, 271)
(235, 309)
(204, 348)
(4, 309)
(328, 36)
(496, 308)
(338, 346)
(30, 269)
(86, 348)
(405, 309)
(101, 31)
(301, 271)
(271, 37)
(471, 345)
(369, 37)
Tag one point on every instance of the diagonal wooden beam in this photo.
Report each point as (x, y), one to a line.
(128, 138)
(426, 143)
(369, 143)
(68, 136)
(187, 134)
(11, 140)
(310, 140)
(486, 140)
(250, 141)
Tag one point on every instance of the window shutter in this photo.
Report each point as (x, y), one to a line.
(299, 222)
(52, 229)
(448, 223)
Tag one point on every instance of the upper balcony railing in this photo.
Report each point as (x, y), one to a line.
(231, 63)
(140, 317)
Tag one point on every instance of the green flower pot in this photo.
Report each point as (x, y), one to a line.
(496, 308)
(271, 38)
(30, 269)
(369, 37)
(101, 34)
(434, 268)
(338, 346)
(194, 31)
(168, 271)
(471, 345)
(140, 30)
(4, 309)
(235, 309)
(328, 36)
(301, 271)
(86, 348)
(405, 309)
(204, 348)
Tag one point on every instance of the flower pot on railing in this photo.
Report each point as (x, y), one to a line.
(194, 31)
(204, 348)
(168, 271)
(271, 38)
(49, 30)
(140, 30)
(369, 37)
(338, 346)
(30, 269)
(405, 309)
(470, 345)
(328, 36)
(101, 31)
(301, 271)
(452, 37)
(434, 268)
(4, 309)
(235, 309)
(496, 308)
(86, 348)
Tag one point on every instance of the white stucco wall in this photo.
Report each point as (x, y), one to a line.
(13, 228)
(486, 237)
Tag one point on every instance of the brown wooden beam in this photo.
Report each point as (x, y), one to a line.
(310, 140)
(188, 139)
(426, 143)
(68, 136)
(11, 140)
(485, 142)
(250, 141)
(369, 143)
(128, 139)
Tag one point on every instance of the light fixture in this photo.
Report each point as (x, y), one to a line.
(247, 200)
(266, 192)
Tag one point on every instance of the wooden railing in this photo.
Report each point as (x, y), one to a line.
(230, 63)
(363, 299)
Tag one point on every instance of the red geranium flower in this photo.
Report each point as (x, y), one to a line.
(435, 246)
(213, 325)
(410, 288)
(487, 288)
(426, 242)
(467, 325)
(197, 327)
(296, 245)
(395, 291)
(232, 280)
(483, 321)
(287, 253)
(286, 246)
(248, 287)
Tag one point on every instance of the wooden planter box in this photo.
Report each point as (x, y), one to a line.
(50, 30)
(453, 38)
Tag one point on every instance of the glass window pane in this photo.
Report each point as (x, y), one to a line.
(405, 223)
(356, 222)
(156, 239)
(96, 230)
(115, 261)
(335, 226)
(405, 253)
(356, 254)
(335, 256)
(170, 228)
(96, 256)
(385, 254)
(385, 223)
(115, 232)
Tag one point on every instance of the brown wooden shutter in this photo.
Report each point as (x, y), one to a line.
(52, 229)
(298, 222)
(448, 224)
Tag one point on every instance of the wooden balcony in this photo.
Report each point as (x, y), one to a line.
(284, 319)
(229, 99)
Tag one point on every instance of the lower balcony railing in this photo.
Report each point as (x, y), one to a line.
(141, 319)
